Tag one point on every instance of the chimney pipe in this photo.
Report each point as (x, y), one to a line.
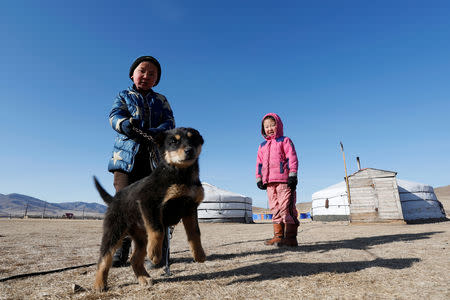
(359, 164)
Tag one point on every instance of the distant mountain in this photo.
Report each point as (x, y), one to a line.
(443, 195)
(17, 205)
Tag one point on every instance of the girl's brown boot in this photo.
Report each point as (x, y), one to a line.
(278, 233)
(290, 236)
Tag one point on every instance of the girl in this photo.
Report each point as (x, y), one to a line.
(276, 172)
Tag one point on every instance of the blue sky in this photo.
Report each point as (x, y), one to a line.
(372, 74)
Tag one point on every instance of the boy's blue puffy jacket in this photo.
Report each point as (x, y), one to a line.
(151, 111)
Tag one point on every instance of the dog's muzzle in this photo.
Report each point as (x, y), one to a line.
(189, 152)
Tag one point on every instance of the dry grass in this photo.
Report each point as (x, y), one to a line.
(333, 261)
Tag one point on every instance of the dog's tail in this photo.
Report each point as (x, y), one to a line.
(104, 194)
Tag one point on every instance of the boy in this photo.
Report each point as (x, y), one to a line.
(136, 112)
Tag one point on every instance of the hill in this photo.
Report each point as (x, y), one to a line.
(17, 205)
(443, 195)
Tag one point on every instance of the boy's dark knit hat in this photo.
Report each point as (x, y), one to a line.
(149, 59)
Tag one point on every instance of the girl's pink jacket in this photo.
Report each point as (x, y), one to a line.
(276, 159)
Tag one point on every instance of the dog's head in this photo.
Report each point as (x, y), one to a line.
(180, 147)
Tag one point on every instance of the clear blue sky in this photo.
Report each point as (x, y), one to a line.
(372, 74)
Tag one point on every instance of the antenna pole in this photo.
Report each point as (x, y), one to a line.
(346, 177)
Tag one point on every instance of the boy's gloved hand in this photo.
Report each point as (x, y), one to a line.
(292, 182)
(152, 132)
(127, 129)
(261, 186)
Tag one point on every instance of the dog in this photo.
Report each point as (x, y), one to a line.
(144, 209)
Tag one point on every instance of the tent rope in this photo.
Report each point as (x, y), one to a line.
(44, 272)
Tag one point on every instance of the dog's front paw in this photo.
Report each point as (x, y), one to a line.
(100, 281)
(144, 280)
(154, 254)
(199, 255)
(100, 287)
(156, 259)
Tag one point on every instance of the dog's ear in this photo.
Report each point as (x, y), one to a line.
(197, 134)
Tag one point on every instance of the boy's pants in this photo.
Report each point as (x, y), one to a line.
(282, 203)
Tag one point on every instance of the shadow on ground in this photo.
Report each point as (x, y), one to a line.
(321, 247)
(274, 270)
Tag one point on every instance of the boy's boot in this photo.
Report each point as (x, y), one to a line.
(121, 256)
(290, 236)
(278, 233)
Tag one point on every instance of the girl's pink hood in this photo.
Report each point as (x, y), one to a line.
(276, 159)
(279, 132)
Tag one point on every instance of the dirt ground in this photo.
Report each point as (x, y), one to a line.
(333, 261)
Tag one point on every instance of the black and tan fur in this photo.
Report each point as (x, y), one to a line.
(146, 208)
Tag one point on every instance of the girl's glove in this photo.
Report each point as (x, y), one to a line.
(261, 186)
(292, 182)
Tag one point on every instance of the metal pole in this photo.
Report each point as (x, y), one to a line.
(43, 213)
(168, 237)
(346, 177)
(26, 210)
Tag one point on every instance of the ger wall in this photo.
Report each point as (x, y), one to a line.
(374, 196)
